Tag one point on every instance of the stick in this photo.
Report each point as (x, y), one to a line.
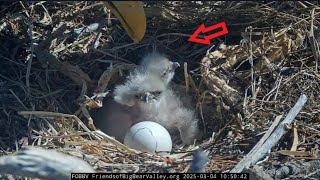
(255, 156)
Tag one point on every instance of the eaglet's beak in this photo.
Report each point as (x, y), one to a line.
(175, 65)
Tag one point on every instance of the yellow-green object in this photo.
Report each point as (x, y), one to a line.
(131, 15)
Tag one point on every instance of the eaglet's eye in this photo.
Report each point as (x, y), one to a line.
(164, 73)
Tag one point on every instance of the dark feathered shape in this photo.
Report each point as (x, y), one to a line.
(199, 161)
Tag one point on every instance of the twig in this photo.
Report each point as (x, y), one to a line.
(18, 99)
(115, 142)
(25, 10)
(30, 57)
(313, 42)
(53, 114)
(186, 76)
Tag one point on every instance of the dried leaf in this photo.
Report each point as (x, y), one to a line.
(131, 15)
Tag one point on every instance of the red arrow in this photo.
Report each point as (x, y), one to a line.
(203, 29)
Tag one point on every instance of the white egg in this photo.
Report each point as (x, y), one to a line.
(148, 136)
